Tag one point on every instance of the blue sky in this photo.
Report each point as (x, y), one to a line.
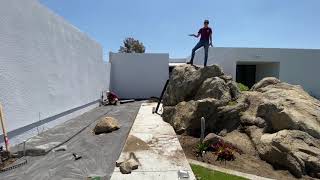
(163, 25)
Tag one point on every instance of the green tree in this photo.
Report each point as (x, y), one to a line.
(130, 45)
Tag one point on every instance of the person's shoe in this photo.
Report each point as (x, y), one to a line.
(190, 63)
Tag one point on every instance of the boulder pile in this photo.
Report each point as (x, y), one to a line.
(281, 120)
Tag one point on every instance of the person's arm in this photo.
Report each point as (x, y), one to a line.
(199, 32)
(194, 35)
(210, 38)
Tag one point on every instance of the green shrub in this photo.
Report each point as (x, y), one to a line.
(242, 87)
(201, 147)
(225, 151)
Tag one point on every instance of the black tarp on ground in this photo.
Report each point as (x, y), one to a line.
(99, 152)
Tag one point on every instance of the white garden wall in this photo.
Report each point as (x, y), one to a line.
(296, 66)
(47, 66)
(138, 76)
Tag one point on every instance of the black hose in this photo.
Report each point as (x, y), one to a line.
(161, 96)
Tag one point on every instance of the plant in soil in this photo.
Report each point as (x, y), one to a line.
(224, 151)
(242, 87)
(200, 148)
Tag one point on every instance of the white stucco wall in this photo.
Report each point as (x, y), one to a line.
(47, 66)
(266, 70)
(177, 60)
(297, 66)
(138, 75)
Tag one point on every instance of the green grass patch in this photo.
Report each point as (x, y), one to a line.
(203, 173)
(242, 87)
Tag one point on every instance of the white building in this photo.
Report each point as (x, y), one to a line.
(249, 65)
(138, 76)
(50, 71)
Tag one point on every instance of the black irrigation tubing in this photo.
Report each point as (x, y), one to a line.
(67, 140)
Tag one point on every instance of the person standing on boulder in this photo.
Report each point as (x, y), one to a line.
(205, 41)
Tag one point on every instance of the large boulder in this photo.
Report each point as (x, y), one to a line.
(214, 87)
(106, 125)
(185, 116)
(289, 107)
(294, 150)
(195, 92)
(274, 106)
(281, 120)
(185, 81)
(182, 116)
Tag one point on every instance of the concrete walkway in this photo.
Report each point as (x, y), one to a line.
(228, 171)
(157, 148)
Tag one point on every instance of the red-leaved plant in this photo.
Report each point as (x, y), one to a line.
(225, 151)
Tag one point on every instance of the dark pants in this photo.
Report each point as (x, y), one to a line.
(205, 45)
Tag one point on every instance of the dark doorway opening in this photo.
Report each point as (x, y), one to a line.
(170, 70)
(246, 74)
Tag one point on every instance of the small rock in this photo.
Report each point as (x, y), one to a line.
(223, 133)
(127, 166)
(212, 138)
(226, 78)
(265, 82)
(118, 163)
(106, 125)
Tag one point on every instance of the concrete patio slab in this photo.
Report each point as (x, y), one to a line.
(156, 147)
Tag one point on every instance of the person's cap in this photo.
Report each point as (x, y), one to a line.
(206, 21)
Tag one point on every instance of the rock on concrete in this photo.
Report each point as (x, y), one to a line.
(127, 166)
